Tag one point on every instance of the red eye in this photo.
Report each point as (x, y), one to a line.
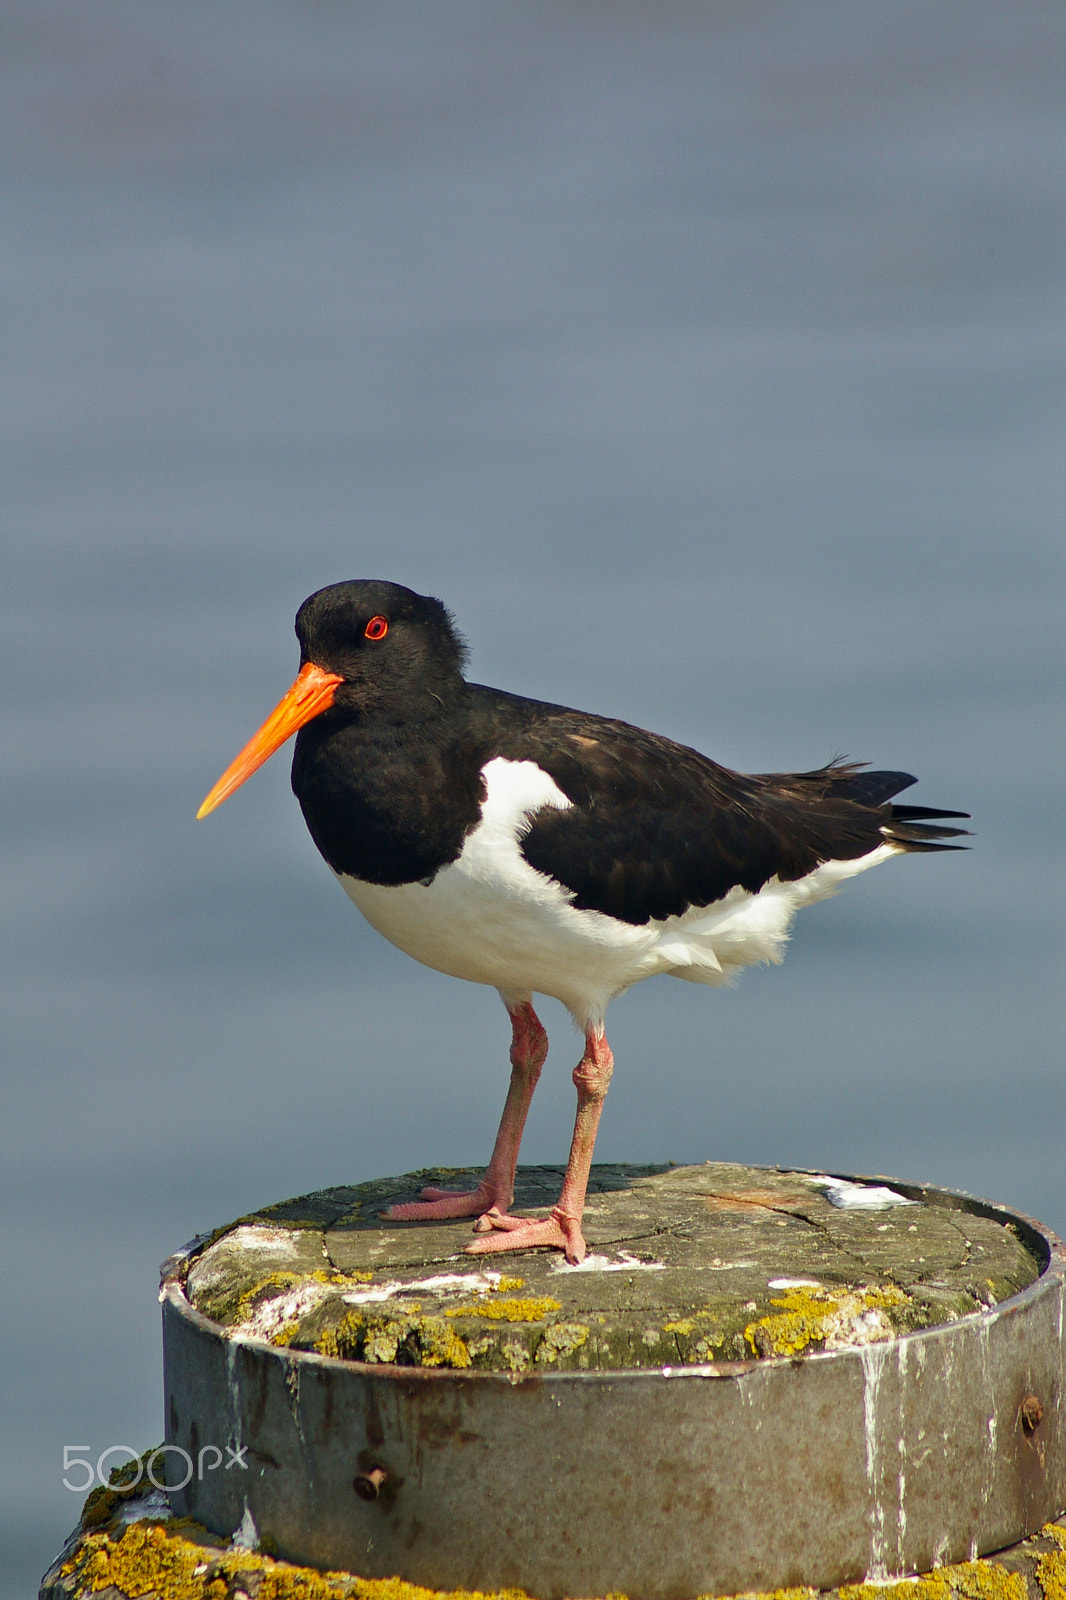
(377, 628)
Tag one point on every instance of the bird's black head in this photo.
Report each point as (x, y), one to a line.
(398, 652)
(367, 650)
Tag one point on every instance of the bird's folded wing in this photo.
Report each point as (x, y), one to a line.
(655, 828)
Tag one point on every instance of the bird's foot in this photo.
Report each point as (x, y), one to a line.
(557, 1232)
(443, 1205)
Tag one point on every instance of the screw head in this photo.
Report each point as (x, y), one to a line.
(1032, 1414)
(367, 1485)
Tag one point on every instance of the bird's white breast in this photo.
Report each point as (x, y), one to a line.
(490, 917)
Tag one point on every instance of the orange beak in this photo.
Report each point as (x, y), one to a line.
(312, 693)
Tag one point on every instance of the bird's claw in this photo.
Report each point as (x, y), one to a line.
(556, 1232)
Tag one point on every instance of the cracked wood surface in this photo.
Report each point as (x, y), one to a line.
(686, 1265)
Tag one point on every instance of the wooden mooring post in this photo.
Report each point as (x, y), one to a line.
(758, 1379)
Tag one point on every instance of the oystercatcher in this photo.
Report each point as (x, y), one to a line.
(544, 850)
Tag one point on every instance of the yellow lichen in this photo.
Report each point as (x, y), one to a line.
(508, 1310)
(818, 1316)
(441, 1346)
(773, 1594)
(285, 1335)
(143, 1559)
(704, 1348)
(177, 1560)
(516, 1357)
(559, 1340)
(969, 1580)
(338, 1342)
(710, 1338)
(403, 1336)
(249, 1301)
(155, 1558)
(1051, 1568)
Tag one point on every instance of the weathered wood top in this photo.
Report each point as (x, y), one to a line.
(686, 1265)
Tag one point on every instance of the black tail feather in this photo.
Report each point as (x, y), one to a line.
(918, 813)
(922, 846)
(907, 828)
(910, 827)
(854, 782)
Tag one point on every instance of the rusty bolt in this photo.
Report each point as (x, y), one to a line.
(1032, 1414)
(367, 1485)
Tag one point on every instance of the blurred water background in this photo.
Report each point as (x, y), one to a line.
(707, 360)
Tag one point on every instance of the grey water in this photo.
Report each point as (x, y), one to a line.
(707, 360)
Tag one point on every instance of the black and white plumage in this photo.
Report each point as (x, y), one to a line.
(544, 850)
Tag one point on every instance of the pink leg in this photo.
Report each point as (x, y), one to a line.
(562, 1229)
(529, 1046)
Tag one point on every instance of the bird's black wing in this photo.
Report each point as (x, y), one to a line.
(654, 827)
